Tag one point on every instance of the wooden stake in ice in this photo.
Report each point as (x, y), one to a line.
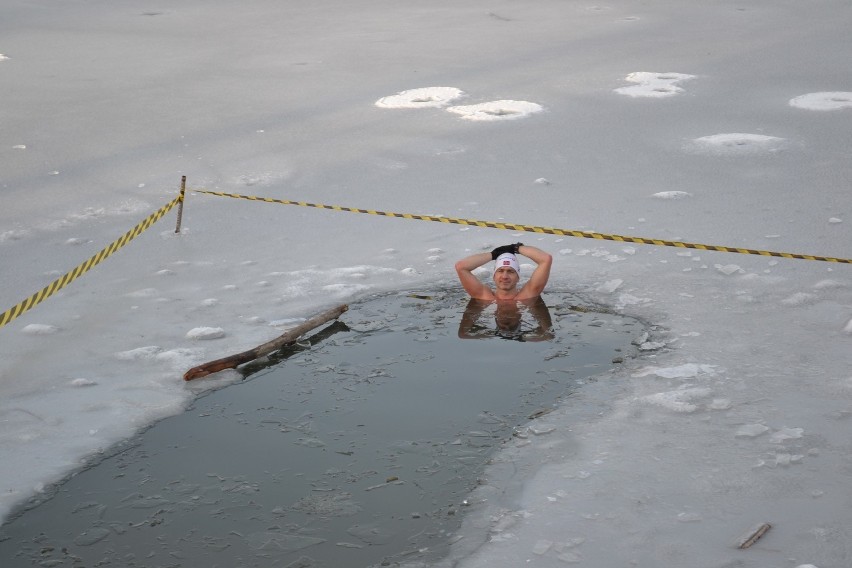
(233, 361)
(180, 203)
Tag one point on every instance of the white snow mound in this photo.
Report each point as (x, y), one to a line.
(497, 110)
(823, 101)
(205, 333)
(653, 85)
(427, 97)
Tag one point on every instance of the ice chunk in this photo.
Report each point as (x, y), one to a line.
(729, 269)
(269, 541)
(799, 299)
(610, 286)
(751, 430)
(785, 434)
(40, 329)
(686, 371)
(205, 333)
(149, 352)
(679, 400)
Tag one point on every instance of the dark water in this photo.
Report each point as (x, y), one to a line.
(356, 451)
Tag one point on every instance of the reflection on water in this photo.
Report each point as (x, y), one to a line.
(526, 320)
(358, 448)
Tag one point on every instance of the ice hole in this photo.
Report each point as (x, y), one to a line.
(356, 446)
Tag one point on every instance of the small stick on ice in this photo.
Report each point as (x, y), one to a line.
(753, 535)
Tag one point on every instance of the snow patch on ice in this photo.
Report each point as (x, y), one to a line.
(678, 400)
(829, 284)
(671, 194)
(610, 286)
(738, 143)
(800, 299)
(263, 179)
(625, 300)
(497, 110)
(426, 97)
(729, 269)
(40, 329)
(13, 235)
(83, 383)
(205, 333)
(785, 434)
(655, 85)
(823, 101)
(143, 293)
(686, 371)
(140, 353)
(180, 358)
(751, 430)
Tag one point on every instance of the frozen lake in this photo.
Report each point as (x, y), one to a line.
(717, 123)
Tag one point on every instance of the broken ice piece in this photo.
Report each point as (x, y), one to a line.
(751, 430)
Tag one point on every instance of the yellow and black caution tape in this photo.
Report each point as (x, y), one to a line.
(58, 284)
(535, 229)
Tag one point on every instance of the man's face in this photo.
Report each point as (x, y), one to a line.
(506, 278)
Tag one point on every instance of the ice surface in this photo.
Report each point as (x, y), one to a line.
(104, 107)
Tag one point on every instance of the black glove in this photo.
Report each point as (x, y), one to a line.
(504, 249)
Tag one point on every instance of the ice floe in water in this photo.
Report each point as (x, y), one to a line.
(738, 143)
(823, 101)
(426, 97)
(497, 110)
(654, 85)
